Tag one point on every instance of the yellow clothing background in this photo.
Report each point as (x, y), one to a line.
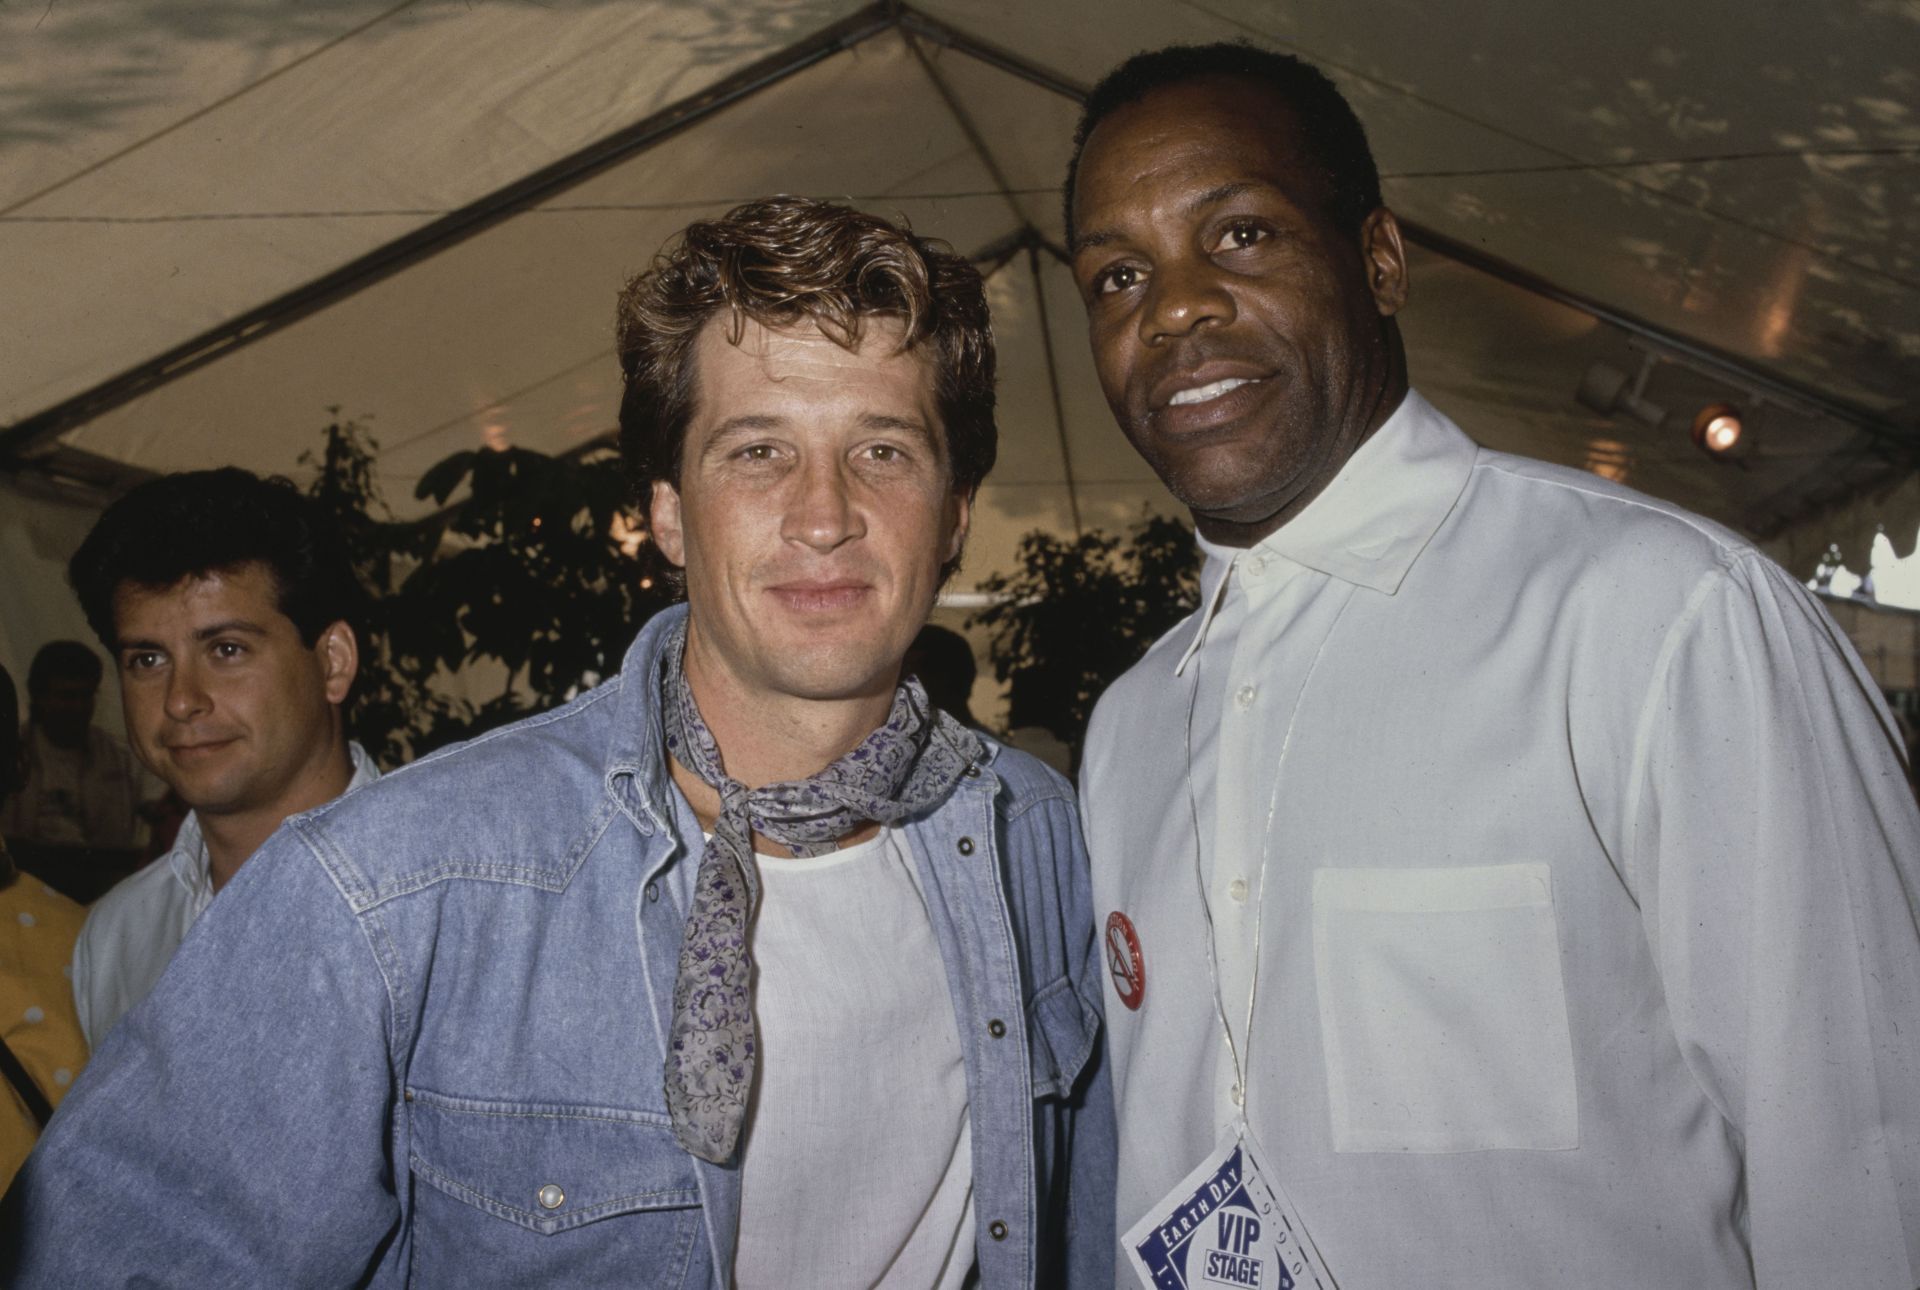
(37, 930)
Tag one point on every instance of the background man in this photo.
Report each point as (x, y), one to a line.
(1553, 919)
(510, 1016)
(76, 817)
(225, 600)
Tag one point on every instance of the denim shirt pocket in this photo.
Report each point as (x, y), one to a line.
(551, 1194)
(1061, 1030)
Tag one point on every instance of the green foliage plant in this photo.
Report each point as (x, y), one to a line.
(524, 573)
(1079, 612)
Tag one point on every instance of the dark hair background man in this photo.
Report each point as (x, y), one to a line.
(227, 602)
(76, 816)
(1509, 872)
(744, 968)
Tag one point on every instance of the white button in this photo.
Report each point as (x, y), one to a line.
(551, 1197)
(1238, 890)
(1239, 1098)
(1244, 697)
(1257, 565)
(35, 1015)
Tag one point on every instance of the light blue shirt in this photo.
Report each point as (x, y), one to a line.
(418, 1039)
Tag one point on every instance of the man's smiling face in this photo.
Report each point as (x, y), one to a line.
(1239, 335)
(815, 509)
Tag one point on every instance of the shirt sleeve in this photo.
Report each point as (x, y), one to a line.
(82, 972)
(1774, 851)
(235, 1128)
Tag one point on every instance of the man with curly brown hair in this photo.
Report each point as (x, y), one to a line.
(747, 968)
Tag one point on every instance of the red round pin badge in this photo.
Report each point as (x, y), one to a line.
(1124, 963)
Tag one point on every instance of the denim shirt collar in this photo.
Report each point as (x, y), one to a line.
(637, 775)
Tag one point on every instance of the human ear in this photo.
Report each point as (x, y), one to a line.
(339, 652)
(962, 520)
(668, 534)
(1386, 260)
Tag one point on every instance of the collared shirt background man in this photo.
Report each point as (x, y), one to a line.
(461, 1042)
(193, 582)
(1548, 847)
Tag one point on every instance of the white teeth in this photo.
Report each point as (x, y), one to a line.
(1202, 393)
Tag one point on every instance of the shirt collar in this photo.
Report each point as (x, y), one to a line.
(1371, 523)
(193, 868)
(637, 774)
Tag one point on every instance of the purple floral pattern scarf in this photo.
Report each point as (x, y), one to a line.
(902, 770)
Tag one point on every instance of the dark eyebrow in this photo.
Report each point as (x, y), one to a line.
(231, 625)
(1220, 193)
(240, 625)
(1198, 202)
(884, 421)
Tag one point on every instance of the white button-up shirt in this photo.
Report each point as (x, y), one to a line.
(1556, 845)
(132, 931)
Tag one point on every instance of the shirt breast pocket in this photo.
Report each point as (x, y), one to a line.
(1443, 1013)
(1061, 1030)
(532, 1194)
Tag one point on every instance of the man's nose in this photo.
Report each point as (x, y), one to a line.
(1182, 297)
(822, 511)
(187, 695)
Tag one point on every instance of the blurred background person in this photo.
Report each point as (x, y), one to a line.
(40, 1044)
(76, 819)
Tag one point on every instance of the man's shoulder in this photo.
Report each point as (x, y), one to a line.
(136, 901)
(1141, 692)
(1025, 780)
(503, 791)
(1597, 517)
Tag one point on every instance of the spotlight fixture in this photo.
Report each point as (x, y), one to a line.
(1717, 429)
(1608, 390)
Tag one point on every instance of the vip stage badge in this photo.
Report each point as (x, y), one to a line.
(1226, 1224)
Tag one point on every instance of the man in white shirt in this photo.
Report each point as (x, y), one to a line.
(1517, 868)
(226, 602)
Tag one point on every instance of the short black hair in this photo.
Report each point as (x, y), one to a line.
(62, 660)
(1333, 135)
(198, 522)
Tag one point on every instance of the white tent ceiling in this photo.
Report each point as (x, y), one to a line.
(220, 217)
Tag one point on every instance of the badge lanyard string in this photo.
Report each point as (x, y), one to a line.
(1240, 1060)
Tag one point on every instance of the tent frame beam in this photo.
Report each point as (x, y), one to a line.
(35, 435)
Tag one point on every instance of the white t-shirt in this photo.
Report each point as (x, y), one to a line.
(858, 1166)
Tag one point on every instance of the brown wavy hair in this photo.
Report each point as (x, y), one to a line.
(785, 260)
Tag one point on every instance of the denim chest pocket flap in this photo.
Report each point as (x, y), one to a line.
(548, 1168)
(1061, 1030)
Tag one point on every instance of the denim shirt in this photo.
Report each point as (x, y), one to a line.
(418, 1039)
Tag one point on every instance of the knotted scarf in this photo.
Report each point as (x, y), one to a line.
(902, 770)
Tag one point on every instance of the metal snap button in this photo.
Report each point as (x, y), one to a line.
(997, 1230)
(966, 846)
(653, 891)
(551, 1197)
(997, 1028)
(971, 772)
